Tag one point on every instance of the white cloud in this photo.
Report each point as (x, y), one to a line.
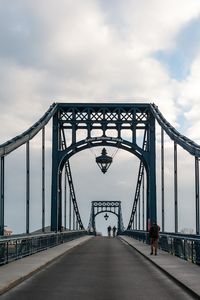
(72, 52)
(189, 98)
(91, 51)
(155, 24)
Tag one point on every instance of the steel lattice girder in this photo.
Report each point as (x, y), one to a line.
(104, 116)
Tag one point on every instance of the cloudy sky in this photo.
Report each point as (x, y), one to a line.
(99, 51)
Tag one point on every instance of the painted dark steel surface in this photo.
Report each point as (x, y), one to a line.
(2, 186)
(43, 179)
(27, 187)
(175, 189)
(197, 195)
(162, 181)
(132, 117)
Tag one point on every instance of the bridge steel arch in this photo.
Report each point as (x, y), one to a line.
(100, 207)
(70, 118)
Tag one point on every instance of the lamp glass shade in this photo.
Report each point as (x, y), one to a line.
(104, 161)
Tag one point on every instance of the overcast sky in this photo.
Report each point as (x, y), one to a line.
(99, 51)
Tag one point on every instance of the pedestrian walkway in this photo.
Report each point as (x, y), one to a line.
(100, 269)
(183, 272)
(15, 272)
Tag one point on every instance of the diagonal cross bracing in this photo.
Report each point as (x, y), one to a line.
(139, 183)
(71, 185)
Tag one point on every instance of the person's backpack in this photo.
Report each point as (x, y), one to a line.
(153, 233)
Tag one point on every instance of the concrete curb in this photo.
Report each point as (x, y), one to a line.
(166, 272)
(16, 272)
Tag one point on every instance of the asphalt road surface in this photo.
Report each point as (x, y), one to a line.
(100, 269)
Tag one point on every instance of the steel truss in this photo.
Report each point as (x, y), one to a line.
(89, 125)
(99, 207)
(71, 118)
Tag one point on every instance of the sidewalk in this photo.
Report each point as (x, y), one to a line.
(183, 272)
(15, 272)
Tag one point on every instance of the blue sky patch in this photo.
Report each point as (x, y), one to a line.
(178, 60)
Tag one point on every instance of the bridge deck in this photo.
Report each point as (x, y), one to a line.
(100, 269)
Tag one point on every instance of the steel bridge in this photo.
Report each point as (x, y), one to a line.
(99, 207)
(69, 128)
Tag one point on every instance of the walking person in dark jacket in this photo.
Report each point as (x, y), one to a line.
(114, 231)
(109, 230)
(154, 235)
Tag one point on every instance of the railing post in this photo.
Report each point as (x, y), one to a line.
(7, 254)
(16, 249)
(74, 221)
(136, 219)
(193, 251)
(70, 211)
(185, 249)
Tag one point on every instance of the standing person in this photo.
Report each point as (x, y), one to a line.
(109, 230)
(114, 231)
(154, 235)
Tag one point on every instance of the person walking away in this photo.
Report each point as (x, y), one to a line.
(154, 235)
(114, 231)
(109, 230)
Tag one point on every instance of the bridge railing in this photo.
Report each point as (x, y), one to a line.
(13, 248)
(182, 245)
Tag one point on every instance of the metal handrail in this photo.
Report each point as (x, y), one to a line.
(27, 135)
(184, 246)
(14, 248)
(180, 139)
